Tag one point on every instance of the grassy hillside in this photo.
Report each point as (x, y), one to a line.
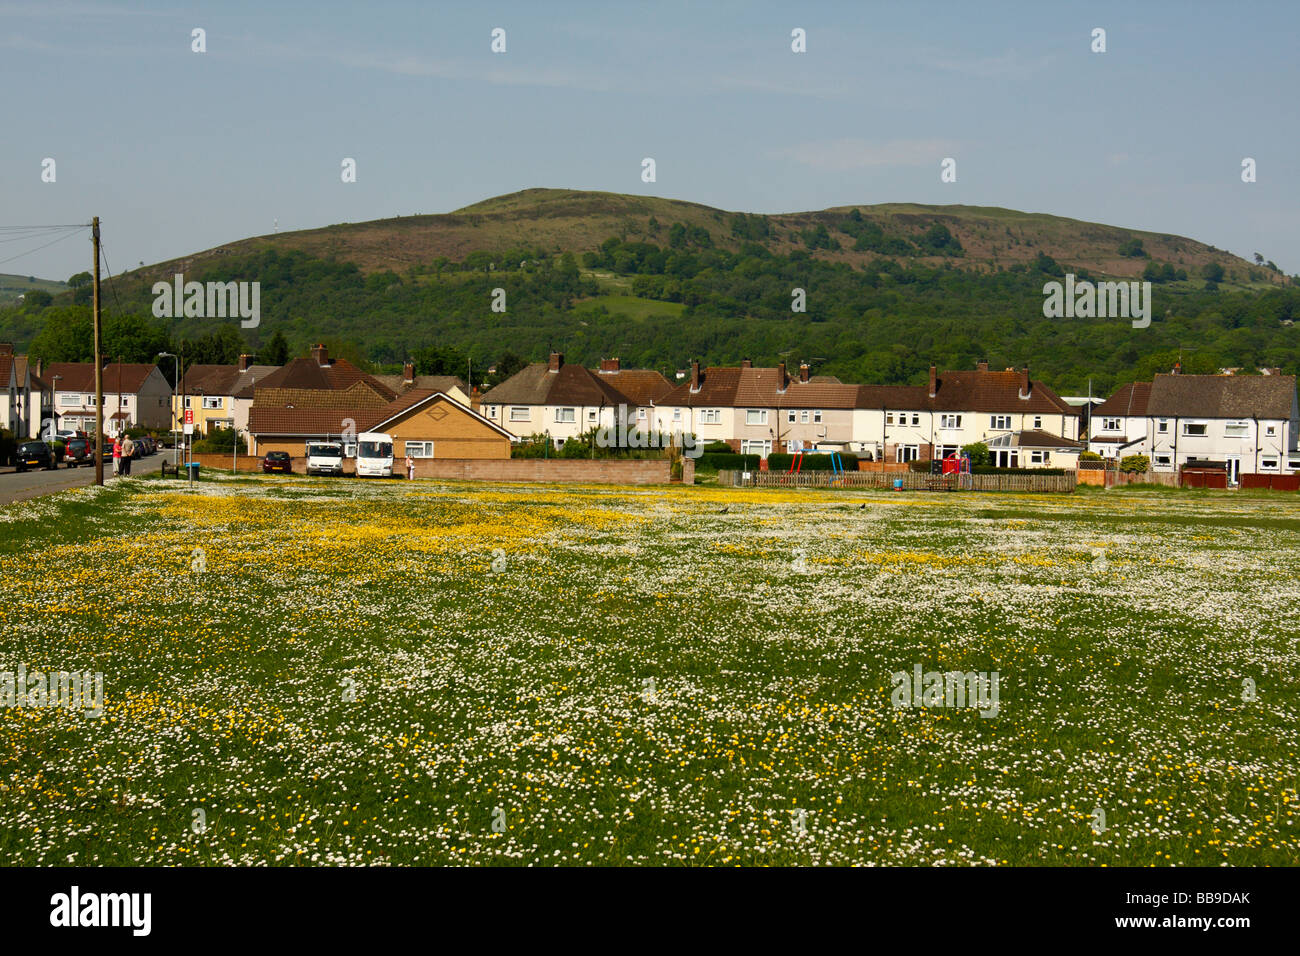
(12, 287)
(559, 220)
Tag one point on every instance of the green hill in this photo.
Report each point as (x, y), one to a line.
(657, 282)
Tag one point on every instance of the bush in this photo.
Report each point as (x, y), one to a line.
(726, 461)
(781, 462)
(219, 441)
(1089, 456)
(979, 454)
(990, 470)
(1135, 464)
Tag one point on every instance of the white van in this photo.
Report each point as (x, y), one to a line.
(324, 458)
(374, 455)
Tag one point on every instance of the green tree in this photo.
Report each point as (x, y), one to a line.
(275, 351)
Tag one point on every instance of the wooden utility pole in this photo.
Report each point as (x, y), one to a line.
(99, 369)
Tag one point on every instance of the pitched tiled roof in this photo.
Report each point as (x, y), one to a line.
(436, 383)
(643, 386)
(536, 384)
(909, 397)
(1130, 399)
(307, 373)
(1222, 396)
(80, 376)
(320, 421)
(1033, 438)
(982, 391)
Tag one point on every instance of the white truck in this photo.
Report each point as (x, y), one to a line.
(324, 458)
(374, 455)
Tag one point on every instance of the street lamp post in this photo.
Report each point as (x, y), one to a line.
(54, 390)
(176, 378)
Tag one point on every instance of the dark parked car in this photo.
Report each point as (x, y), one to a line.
(277, 461)
(78, 451)
(37, 454)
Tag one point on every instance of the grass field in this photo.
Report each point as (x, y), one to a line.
(421, 672)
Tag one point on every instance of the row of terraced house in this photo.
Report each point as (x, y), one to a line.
(1245, 423)
(1248, 423)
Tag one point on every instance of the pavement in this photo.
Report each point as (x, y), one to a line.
(19, 486)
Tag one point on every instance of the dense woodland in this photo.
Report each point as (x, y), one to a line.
(884, 323)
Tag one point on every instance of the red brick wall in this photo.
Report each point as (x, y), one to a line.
(608, 471)
(625, 472)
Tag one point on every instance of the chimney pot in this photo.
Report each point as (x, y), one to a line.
(408, 373)
(803, 371)
(556, 360)
(244, 362)
(320, 354)
(982, 365)
(746, 363)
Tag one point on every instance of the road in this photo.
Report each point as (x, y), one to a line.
(18, 486)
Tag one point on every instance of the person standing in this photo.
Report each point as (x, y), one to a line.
(117, 455)
(128, 450)
(410, 468)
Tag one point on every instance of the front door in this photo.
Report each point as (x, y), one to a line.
(1234, 469)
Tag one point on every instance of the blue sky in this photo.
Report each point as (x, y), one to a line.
(178, 151)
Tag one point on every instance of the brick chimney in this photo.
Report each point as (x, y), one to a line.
(746, 363)
(1025, 384)
(934, 381)
(6, 348)
(982, 365)
(408, 373)
(1178, 368)
(782, 379)
(609, 365)
(244, 362)
(320, 355)
(695, 375)
(556, 360)
(803, 371)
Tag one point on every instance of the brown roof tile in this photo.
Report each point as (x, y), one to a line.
(1222, 396)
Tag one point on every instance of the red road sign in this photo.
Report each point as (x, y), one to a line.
(189, 416)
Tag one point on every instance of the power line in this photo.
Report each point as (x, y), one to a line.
(20, 255)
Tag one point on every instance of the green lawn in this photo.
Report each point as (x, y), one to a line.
(425, 672)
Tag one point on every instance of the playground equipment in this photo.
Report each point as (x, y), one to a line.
(959, 466)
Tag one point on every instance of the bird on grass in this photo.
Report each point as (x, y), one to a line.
(723, 510)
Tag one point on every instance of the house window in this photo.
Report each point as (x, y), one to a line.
(756, 416)
(1268, 464)
(1039, 457)
(950, 421)
(187, 401)
(1236, 429)
(916, 420)
(1004, 458)
(491, 411)
(1270, 431)
(419, 449)
(1194, 429)
(1162, 426)
(946, 450)
(591, 414)
(1000, 421)
(907, 452)
(755, 446)
(710, 416)
(566, 414)
(1293, 464)
(1038, 421)
(790, 416)
(90, 400)
(519, 413)
(817, 415)
(1162, 461)
(677, 414)
(70, 400)
(212, 401)
(1110, 424)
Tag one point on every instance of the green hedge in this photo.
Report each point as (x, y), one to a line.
(990, 470)
(781, 462)
(726, 461)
